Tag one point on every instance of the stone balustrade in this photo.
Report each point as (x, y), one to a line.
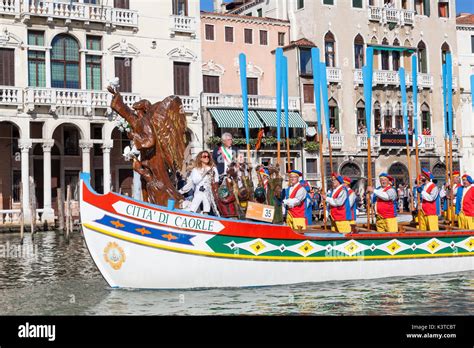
(254, 102)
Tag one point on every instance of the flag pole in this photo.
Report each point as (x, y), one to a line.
(403, 89)
(243, 83)
(317, 99)
(324, 92)
(446, 142)
(279, 58)
(284, 65)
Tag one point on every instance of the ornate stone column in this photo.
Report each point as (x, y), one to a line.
(86, 146)
(25, 146)
(106, 147)
(48, 213)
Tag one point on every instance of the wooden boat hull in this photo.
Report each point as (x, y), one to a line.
(138, 245)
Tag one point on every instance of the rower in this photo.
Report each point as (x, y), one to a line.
(430, 204)
(295, 196)
(456, 186)
(339, 206)
(465, 206)
(385, 198)
(352, 199)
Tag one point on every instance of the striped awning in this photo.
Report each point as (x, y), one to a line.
(270, 119)
(234, 118)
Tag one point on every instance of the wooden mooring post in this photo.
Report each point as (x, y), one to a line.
(68, 211)
(22, 215)
(32, 206)
(60, 200)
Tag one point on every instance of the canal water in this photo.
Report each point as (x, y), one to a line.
(50, 276)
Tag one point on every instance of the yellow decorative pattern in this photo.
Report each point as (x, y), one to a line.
(306, 248)
(433, 245)
(393, 247)
(142, 231)
(351, 248)
(470, 243)
(257, 247)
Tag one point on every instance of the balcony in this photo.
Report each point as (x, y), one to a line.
(11, 7)
(363, 142)
(75, 11)
(337, 141)
(390, 77)
(254, 102)
(391, 16)
(182, 24)
(190, 104)
(334, 75)
(88, 99)
(11, 95)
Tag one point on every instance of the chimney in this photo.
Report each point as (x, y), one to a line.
(218, 6)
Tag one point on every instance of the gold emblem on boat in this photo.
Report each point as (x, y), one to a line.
(114, 255)
(306, 248)
(351, 248)
(433, 245)
(117, 224)
(394, 246)
(257, 247)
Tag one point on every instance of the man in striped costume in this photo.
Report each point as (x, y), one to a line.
(430, 202)
(352, 199)
(465, 206)
(385, 198)
(339, 206)
(295, 196)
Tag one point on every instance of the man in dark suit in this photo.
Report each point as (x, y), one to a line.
(225, 154)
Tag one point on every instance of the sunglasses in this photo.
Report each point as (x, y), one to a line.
(205, 156)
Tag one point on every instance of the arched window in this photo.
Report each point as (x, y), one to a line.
(65, 62)
(360, 113)
(359, 51)
(444, 50)
(387, 117)
(422, 58)
(330, 49)
(333, 114)
(396, 56)
(385, 56)
(425, 119)
(377, 118)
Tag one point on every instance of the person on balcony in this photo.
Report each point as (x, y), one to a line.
(430, 202)
(465, 203)
(225, 154)
(294, 202)
(339, 205)
(385, 201)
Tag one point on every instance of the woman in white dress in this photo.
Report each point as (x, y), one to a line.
(200, 180)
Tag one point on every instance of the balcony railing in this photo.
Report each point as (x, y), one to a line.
(182, 24)
(429, 142)
(390, 77)
(363, 143)
(71, 11)
(334, 74)
(11, 95)
(391, 15)
(235, 101)
(190, 104)
(337, 141)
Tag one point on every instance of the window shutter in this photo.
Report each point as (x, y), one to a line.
(125, 4)
(209, 32)
(426, 7)
(248, 36)
(308, 93)
(7, 67)
(229, 34)
(252, 86)
(181, 78)
(123, 70)
(210, 84)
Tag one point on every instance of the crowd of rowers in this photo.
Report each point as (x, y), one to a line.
(219, 183)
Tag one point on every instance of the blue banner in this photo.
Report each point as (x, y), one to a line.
(279, 58)
(245, 100)
(445, 109)
(317, 85)
(449, 90)
(414, 68)
(325, 97)
(403, 88)
(367, 76)
(284, 66)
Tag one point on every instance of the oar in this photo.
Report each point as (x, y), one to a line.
(317, 98)
(279, 58)
(414, 65)
(324, 92)
(243, 83)
(449, 90)
(367, 73)
(284, 66)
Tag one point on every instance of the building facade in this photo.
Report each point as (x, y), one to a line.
(396, 29)
(465, 36)
(56, 60)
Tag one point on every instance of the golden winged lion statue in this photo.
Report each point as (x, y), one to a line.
(158, 131)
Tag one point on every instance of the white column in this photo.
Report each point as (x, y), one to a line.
(106, 147)
(86, 146)
(83, 84)
(25, 146)
(48, 213)
(48, 67)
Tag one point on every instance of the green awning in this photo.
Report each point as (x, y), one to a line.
(270, 119)
(392, 48)
(234, 118)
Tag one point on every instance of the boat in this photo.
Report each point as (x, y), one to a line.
(145, 246)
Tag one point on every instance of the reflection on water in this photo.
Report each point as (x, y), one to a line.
(52, 277)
